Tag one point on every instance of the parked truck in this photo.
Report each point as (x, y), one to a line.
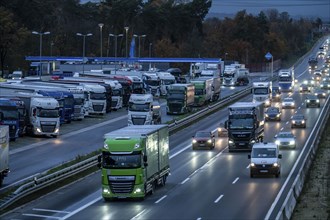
(245, 125)
(180, 98)
(134, 160)
(4, 152)
(10, 117)
(140, 109)
(262, 92)
(42, 115)
(203, 91)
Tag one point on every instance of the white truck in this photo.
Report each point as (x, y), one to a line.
(262, 92)
(4, 152)
(140, 109)
(166, 79)
(152, 83)
(206, 69)
(42, 114)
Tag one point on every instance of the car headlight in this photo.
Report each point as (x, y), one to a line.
(292, 142)
(278, 115)
(293, 121)
(303, 121)
(267, 115)
(253, 141)
(277, 142)
(317, 100)
(252, 164)
(275, 164)
(194, 141)
(308, 101)
(209, 141)
(230, 141)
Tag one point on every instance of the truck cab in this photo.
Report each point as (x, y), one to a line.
(265, 159)
(140, 109)
(262, 92)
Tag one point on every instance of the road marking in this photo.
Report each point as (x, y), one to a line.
(159, 200)
(235, 180)
(218, 199)
(281, 129)
(180, 151)
(287, 122)
(184, 181)
(248, 166)
(138, 214)
(49, 210)
(81, 208)
(41, 216)
(199, 218)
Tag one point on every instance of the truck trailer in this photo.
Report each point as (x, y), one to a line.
(4, 152)
(203, 91)
(134, 160)
(245, 125)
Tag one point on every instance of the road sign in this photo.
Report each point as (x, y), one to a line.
(268, 56)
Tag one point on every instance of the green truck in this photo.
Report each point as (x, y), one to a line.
(203, 91)
(134, 160)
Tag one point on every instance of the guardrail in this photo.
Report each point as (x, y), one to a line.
(41, 181)
(287, 207)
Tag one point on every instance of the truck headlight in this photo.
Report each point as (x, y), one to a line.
(230, 141)
(308, 101)
(292, 142)
(57, 130)
(277, 142)
(275, 164)
(317, 100)
(38, 130)
(303, 121)
(278, 115)
(106, 190)
(252, 165)
(253, 141)
(293, 122)
(137, 190)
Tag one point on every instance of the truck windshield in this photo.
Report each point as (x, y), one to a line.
(97, 96)
(199, 91)
(48, 113)
(263, 153)
(260, 91)
(175, 96)
(284, 78)
(79, 101)
(139, 107)
(9, 114)
(116, 92)
(121, 161)
(228, 75)
(69, 101)
(168, 81)
(153, 82)
(243, 123)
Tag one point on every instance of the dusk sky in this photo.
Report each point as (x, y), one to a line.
(304, 8)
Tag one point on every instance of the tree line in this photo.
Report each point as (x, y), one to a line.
(162, 29)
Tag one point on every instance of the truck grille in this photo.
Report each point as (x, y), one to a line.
(175, 107)
(114, 103)
(121, 186)
(48, 128)
(138, 121)
(77, 110)
(264, 166)
(98, 107)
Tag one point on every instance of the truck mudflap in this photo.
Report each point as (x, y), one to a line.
(159, 179)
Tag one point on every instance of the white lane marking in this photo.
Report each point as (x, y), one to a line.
(218, 199)
(138, 214)
(159, 200)
(180, 151)
(81, 208)
(41, 216)
(199, 218)
(67, 135)
(235, 180)
(248, 166)
(287, 122)
(184, 181)
(281, 129)
(50, 210)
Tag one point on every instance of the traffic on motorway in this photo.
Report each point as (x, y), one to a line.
(210, 183)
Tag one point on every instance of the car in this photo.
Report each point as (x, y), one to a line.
(309, 82)
(276, 94)
(288, 103)
(320, 93)
(273, 114)
(312, 101)
(298, 120)
(264, 159)
(202, 140)
(325, 71)
(285, 139)
(325, 85)
(304, 88)
(317, 75)
(222, 131)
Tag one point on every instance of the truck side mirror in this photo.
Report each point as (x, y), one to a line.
(99, 160)
(280, 156)
(249, 156)
(145, 158)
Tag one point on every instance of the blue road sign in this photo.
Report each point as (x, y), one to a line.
(268, 56)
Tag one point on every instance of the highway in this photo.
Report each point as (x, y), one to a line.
(211, 184)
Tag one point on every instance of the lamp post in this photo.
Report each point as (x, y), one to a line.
(139, 36)
(115, 36)
(101, 25)
(150, 45)
(51, 48)
(84, 40)
(126, 29)
(40, 47)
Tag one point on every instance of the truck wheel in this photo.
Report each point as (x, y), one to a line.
(251, 175)
(277, 175)
(54, 136)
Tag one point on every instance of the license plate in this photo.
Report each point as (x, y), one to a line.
(202, 145)
(241, 144)
(263, 171)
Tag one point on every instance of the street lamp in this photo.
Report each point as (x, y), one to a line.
(84, 40)
(139, 36)
(51, 48)
(150, 45)
(40, 47)
(101, 25)
(115, 36)
(126, 29)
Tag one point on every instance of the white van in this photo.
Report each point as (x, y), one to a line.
(265, 159)
(17, 75)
